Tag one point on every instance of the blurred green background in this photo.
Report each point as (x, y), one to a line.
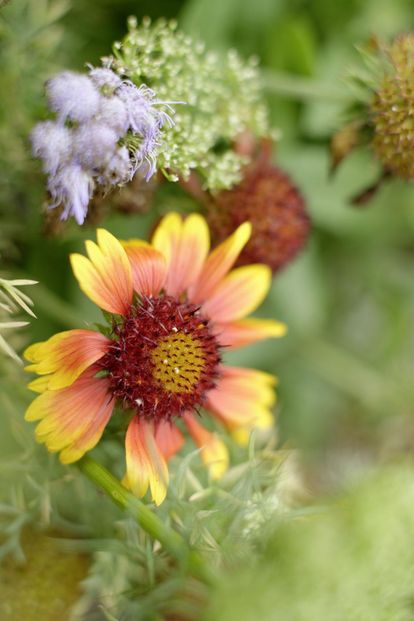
(346, 392)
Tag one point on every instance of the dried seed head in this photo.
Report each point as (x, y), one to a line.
(392, 109)
(268, 199)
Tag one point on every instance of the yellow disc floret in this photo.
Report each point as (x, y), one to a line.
(178, 361)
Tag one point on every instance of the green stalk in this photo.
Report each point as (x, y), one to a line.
(300, 87)
(349, 373)
(171, 541)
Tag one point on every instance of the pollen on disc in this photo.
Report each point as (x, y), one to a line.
(179, 361)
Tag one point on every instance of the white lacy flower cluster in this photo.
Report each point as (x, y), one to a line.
(222, 94)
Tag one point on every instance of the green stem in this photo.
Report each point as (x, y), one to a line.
(51, 305)
(349, 373)
(171, 541)
(300, 87)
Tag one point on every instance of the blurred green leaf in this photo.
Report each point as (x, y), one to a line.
(353, 561)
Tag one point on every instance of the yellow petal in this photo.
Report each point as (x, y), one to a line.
(219, 262)
(246, 331)
(184, 244)
(264, 420)
(39, 385)
(243, 398)
(239, 293)
(72, 419)
(214, 452)
(149, 268)
(105, 277)
(146, 467)
(65, 356)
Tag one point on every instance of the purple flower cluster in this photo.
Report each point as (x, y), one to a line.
(106, 129)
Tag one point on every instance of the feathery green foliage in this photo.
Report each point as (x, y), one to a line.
(12, 299)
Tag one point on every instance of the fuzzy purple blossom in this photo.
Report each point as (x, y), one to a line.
(72, 96)
(113, 113)
(53, 144)
(118, 168)
(94, 143)
(106, 130)
(104, 78)
(145, 120)
(71, 187)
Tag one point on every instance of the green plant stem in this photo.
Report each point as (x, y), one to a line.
(349, 373)
(171, 541)
(300, 87)
(51, 305)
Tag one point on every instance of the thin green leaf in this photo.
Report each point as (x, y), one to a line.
(13, 324)
(9, 350)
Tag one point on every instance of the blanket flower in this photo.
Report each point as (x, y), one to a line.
(174, 307)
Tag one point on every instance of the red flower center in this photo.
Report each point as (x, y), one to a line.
(164, 358)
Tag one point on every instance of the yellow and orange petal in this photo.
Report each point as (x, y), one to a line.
(239, 293)
(72, 420)
(39, 385)
(214, 452)
(264, 421)
(64, 357)
(243, 399)
(246, 331)
(219, 263)
(169, 439)
(149, 267)
(185, 244)
(145, 465)
(246, 384)
(106, 277)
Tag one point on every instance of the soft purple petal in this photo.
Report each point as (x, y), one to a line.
(52, 143)
(93, 144)
(118, 170)
(113, 113)
(146, 121)
(72, 96)
(103, 77)
(72, 187)
(137, 105)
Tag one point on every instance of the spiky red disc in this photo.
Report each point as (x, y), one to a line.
(164, 358)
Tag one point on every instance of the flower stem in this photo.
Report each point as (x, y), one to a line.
(301, 87)
(171, 541)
